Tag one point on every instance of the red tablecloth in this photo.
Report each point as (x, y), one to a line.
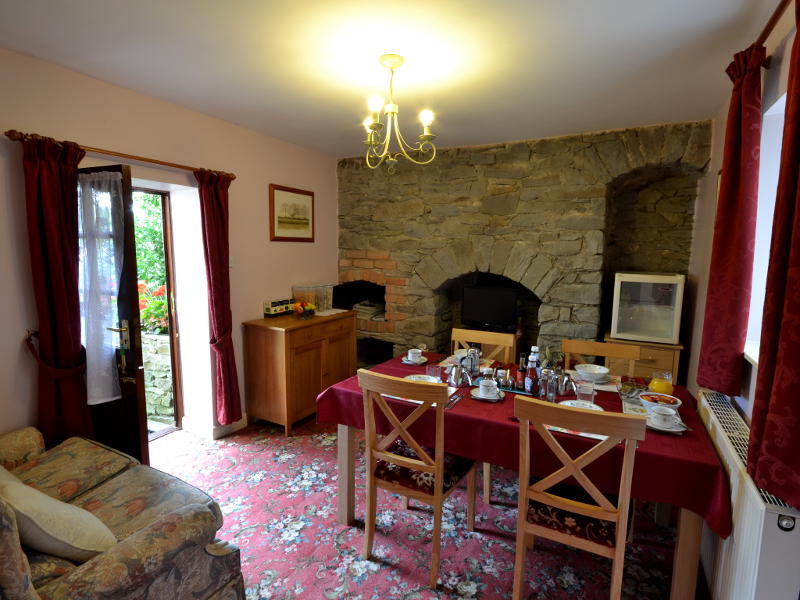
(684, 471)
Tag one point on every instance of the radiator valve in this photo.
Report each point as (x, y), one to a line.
(785, 523)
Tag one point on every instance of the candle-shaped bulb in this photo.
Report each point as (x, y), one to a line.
(426, 117)
(375, 104)
(367, 122)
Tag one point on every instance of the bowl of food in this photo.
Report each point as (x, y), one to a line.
(592, 373)
(651, 399)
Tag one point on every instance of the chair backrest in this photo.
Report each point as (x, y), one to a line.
(375, 387)
(579, 349)
(618, 427)
(494, 345)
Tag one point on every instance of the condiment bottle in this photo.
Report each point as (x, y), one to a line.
(520, 374)
(531, 374)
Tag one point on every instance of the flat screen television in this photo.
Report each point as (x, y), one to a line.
(485, 307)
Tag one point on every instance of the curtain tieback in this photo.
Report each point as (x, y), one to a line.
(49, 370)
(218, 344)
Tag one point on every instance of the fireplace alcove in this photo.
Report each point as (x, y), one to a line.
(370, 350)
(527, 303)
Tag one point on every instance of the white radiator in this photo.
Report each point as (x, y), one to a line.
(761, 558)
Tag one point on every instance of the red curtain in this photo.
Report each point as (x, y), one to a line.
(774, 455)
(731, 270)
(214, 214)
(51, 196)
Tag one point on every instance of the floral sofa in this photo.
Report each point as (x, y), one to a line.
(165, 528)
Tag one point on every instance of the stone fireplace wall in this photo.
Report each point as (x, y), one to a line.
(555, 215)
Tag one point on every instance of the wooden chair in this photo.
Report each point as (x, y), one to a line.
(398, 463)
(495, 346)
(581, 348)
(588, 520)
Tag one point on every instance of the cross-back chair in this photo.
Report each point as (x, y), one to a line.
(494, 345)
(579, 349)
(588, 519)
(397, 462)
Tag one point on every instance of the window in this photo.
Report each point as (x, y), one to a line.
(771, 138)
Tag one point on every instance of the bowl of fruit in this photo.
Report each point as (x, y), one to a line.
(651, 399)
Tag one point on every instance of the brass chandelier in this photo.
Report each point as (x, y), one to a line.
(378, 150)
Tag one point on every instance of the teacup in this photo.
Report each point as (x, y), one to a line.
(488, 388)
(414, 355)
(663, 415)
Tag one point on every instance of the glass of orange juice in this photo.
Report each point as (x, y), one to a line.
(661, 383)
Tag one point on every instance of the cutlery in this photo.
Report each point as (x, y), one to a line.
(453, 401)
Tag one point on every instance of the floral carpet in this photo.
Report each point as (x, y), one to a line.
(278, 496)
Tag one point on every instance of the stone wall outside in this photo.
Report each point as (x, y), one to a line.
(552, 214)
(158, 377)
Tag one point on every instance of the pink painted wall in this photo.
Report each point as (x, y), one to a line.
(40, 97)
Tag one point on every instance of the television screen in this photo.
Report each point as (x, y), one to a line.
(489, 308)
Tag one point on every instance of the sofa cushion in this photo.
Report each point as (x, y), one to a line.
(73, 467)
(140, 496)
(46, 567)
(55, 527)
(15, 574)
(5, 475)
(22, 445)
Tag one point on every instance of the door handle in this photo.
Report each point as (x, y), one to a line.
(124, 335)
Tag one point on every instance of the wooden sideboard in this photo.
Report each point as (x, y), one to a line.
(662, 357)
(289, 361)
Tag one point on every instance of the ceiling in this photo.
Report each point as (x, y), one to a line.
(492, 71)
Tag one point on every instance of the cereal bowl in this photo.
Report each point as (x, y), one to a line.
(592, 373)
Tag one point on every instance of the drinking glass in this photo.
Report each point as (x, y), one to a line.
(434, 371)
(585, 391)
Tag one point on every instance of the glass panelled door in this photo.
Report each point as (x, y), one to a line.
(109, 309)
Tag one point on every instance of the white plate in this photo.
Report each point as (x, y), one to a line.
(581, 404)
(425, 378)
(422, 361)
(476, 393)
(676, 427)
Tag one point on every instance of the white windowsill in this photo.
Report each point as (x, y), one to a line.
(751, 352)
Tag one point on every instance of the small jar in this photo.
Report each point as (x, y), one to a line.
(502, 378)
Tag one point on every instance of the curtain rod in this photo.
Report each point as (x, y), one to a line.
(15, 135)
(773, 20)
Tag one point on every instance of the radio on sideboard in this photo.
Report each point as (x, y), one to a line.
(274, 308)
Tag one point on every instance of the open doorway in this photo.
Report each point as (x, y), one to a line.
(159, 323)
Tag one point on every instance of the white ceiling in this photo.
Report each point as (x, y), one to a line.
(492, 71)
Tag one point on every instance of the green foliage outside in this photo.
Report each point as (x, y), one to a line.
(153, 308)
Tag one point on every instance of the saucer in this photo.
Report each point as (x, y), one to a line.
(425, 378)
(476, 393)
(581, 404)
(676, 426)
(421, 361)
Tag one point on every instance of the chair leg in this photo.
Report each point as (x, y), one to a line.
(487, 483)
(404, 502)
(519, 560)
(617, 572)
(436, 543)
(369, 518)
(530, 540)
(471, 498)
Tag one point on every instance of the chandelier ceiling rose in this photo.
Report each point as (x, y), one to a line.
(379, 148)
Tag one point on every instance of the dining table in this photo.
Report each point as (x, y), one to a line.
(679, 470)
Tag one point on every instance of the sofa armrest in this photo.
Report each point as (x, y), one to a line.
(130, 568)
(17, 447)
(15, 572)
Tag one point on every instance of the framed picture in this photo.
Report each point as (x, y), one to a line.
(291, 214)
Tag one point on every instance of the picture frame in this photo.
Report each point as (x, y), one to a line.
(291, 214)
